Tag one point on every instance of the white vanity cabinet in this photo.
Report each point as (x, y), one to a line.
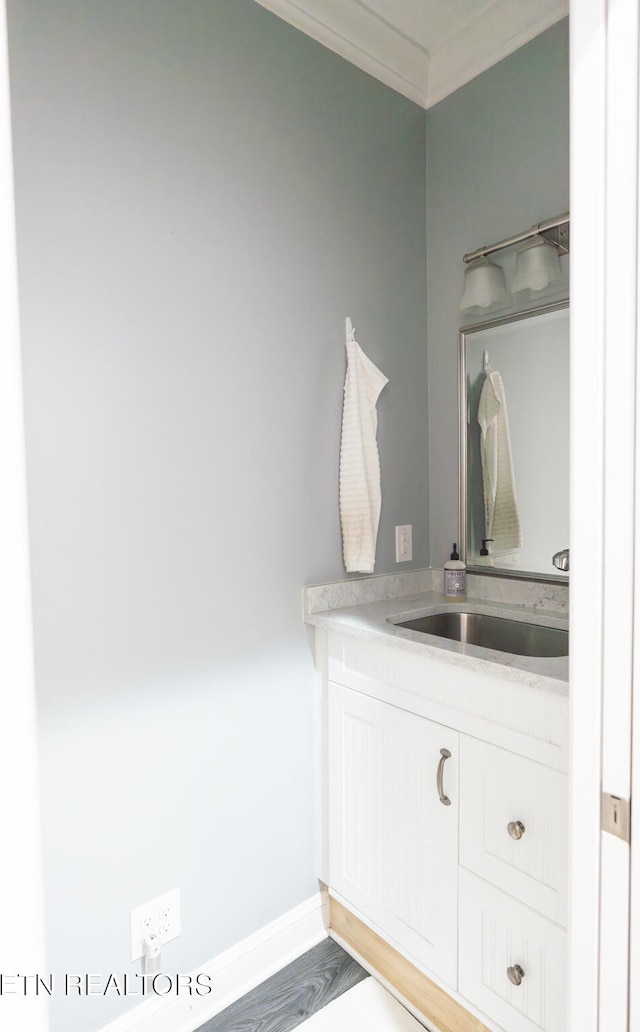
(394, 823)
(447, 824)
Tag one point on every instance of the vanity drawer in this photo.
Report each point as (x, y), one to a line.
(513, 825)
(501, 938)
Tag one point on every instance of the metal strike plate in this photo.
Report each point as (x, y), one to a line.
(616, 816)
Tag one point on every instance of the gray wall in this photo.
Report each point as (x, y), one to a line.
(203, 194)
(497, 162)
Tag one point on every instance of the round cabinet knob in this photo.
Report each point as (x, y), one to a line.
(515, 974)
(516, 829)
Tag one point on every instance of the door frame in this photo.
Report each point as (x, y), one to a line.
(604, 563)
(21, 897)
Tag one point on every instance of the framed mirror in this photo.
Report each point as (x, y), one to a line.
(514, 443)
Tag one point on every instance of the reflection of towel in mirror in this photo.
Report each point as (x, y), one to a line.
(359, 462)
(502, 518)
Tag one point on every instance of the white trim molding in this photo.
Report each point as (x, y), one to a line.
(588, 243)
(605, 400)
(233, 973)
(362, 38)
(486, 39)
(422, 62)
(22, 929)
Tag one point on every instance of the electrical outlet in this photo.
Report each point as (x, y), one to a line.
(404, 543)
(161, 915)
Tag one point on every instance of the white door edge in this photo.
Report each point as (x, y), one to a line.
(604, 246)
(21, 898)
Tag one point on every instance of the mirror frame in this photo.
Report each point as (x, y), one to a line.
(465, 331)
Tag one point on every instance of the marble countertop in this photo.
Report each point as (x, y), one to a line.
(374, 621)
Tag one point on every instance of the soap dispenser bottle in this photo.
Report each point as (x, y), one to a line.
(455, 578)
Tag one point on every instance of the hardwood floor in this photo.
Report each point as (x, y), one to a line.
(290, 996)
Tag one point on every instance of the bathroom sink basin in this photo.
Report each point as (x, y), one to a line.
(494, 632)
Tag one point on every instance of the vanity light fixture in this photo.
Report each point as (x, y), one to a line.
(484, 288)
(538, 272)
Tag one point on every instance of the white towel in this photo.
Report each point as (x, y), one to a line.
(359, 462)
(502, 517)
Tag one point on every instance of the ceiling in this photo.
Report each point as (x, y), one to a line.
(425, 49)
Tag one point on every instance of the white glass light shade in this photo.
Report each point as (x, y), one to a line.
(538, 271)
(484, 288)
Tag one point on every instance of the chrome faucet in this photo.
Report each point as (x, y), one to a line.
(561, 560)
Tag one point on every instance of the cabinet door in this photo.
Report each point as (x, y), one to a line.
(393, 842)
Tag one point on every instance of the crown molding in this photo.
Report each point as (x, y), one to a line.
(370, 41)
(485, 40)
(362, 38)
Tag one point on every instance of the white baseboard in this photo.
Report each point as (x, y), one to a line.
(234, 972)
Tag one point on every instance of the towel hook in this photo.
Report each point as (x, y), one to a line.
(486, 362)
(351, 333)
